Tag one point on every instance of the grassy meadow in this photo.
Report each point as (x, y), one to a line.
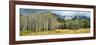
(57, 31)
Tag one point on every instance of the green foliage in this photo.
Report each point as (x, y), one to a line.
(76, 24)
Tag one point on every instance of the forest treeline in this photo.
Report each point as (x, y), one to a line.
(48, 21)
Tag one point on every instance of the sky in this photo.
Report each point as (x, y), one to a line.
(59, 12)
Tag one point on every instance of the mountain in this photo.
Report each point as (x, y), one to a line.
(68, 16)
(74, 16)
(80, 17)
(61, 17)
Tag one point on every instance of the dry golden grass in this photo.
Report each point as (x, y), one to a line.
(57, 31)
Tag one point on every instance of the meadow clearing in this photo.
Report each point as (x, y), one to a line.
(57, 31)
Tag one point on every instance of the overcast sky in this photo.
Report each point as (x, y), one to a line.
(59, 12)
